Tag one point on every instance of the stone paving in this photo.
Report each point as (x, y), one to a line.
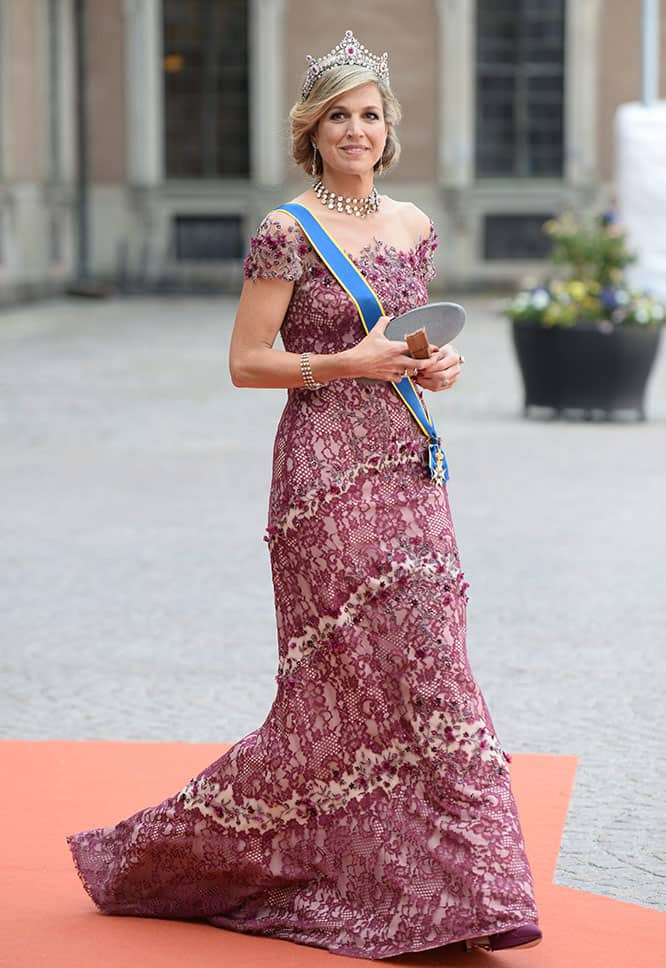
(136, 600)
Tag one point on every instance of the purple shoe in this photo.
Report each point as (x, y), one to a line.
(526, 936)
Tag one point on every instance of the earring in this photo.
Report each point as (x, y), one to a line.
(380, 170)
(314, 160)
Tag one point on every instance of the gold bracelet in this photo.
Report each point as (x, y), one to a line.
(309, 381)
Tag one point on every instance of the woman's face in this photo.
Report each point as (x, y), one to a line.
(352, 132)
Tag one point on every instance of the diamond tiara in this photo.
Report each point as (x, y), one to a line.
(348, 51)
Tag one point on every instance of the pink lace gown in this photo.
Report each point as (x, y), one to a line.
(371, 813)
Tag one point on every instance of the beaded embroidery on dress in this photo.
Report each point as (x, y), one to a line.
(371, 813)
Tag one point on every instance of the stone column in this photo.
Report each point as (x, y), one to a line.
(5, 142)
(267, 101)
(67, 119)
(581, 92)
(145, 135)
(5, 164)
(145, 99)
(456, 92)
(59, 134)
(456, 134)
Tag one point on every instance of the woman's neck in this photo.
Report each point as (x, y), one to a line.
(349, 186)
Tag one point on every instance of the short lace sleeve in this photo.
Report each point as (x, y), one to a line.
(275, 252)
(426, 253)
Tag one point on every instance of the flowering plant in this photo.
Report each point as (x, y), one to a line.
(594, 257)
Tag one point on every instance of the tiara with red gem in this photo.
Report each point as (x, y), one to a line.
(348, 51)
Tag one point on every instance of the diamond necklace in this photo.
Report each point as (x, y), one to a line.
(350, 206)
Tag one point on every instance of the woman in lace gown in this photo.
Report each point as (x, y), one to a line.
(371, 813)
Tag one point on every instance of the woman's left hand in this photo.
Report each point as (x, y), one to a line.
(442, 369)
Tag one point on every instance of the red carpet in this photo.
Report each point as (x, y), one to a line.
(55, 788)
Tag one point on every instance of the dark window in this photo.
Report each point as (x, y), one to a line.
(520, 88)
(208, 237)
(515, 237)
(206, 88)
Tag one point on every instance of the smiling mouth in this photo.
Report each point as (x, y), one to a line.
(354, 149)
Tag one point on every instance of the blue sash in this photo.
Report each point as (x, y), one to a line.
(369, 309)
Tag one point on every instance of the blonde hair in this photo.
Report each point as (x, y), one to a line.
(305, 115)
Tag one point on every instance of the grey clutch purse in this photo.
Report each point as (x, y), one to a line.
(442, 321)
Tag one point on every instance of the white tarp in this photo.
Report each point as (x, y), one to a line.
(641, 191)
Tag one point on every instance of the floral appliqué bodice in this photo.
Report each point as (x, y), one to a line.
(321, 318)
(347, 423)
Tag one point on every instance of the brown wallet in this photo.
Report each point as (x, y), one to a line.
(418, 344)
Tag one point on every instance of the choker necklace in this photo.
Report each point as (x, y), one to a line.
(350, 206)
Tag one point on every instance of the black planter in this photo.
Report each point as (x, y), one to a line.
(586, 367)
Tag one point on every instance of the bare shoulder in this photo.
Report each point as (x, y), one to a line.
(415, 222)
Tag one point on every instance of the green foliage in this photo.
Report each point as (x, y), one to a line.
(595, 252)
(593, 256)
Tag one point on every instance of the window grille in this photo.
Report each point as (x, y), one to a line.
(515, 237)
(206, 88)
(207, 238)
(520, 88)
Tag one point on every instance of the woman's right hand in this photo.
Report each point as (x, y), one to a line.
(379, 358)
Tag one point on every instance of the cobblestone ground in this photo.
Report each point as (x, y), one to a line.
(136, 595)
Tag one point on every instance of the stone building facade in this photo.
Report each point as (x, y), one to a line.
(508, 118)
